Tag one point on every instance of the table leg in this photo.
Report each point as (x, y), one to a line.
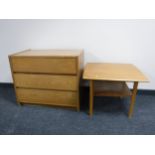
(91, 97)
(133, 98)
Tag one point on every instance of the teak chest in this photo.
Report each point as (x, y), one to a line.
(50, 77)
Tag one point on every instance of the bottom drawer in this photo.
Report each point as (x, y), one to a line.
(50, 97)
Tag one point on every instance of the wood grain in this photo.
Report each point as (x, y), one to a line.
(49, 97)
(48, 76)
(43, 81)
(109, 80)
(60, 53)
(113, 72)
(44, 65)
(111, 88)
(91, 97)
(13, 78)
(133, 98)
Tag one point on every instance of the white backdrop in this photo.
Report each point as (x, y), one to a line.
(123, 41)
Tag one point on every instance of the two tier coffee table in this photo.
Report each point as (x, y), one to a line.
(109, 79)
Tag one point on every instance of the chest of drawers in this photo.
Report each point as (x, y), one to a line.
(50, 77)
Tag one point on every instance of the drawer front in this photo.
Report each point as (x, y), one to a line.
(40, 81)
(50, 97)
(44, 65)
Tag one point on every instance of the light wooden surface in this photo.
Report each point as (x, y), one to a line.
(45, 81)
(47, 76)
(111, 88)
(13, 77)
(113, 72)
(91, 97)
(133, 98)
(50, 97)
(49, 53)
(108, 79)
(44, 65)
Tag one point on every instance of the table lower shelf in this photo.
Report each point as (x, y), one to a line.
(111, 88)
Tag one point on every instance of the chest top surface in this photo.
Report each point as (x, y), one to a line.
(49, 53)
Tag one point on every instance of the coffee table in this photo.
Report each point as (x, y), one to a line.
(109, 79)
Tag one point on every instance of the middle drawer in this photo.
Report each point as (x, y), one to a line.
(41, 81)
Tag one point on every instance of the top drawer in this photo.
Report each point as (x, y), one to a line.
(44, 65)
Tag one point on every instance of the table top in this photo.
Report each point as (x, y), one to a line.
(113, 72)
(47, 53)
